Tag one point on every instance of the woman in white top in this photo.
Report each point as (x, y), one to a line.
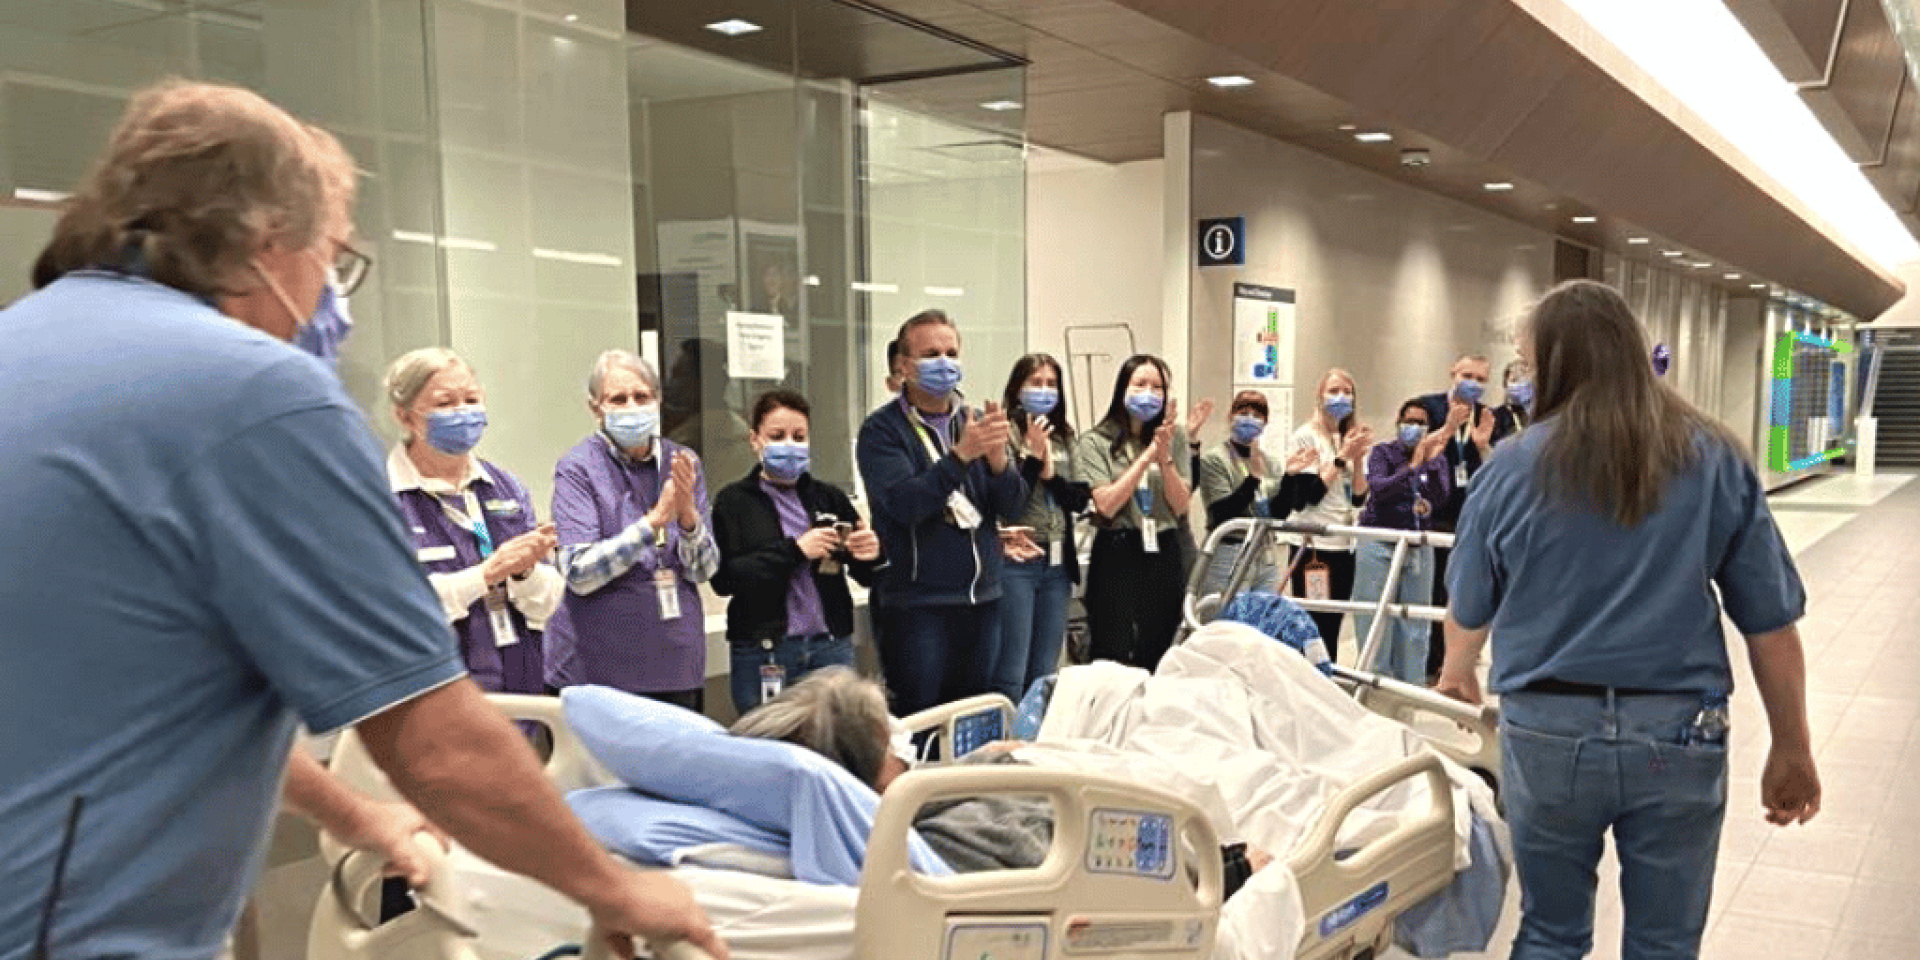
(1335, 432)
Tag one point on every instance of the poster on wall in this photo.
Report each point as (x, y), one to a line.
(756, 346)
(705, 249)
(1263, 323)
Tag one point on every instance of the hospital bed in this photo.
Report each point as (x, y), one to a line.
(1464, 733)
(1133, 872)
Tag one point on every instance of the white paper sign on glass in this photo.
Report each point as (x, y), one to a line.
(756, 346)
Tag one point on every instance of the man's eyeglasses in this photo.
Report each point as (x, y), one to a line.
(350, 268)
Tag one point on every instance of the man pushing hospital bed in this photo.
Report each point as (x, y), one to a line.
(1364, 817)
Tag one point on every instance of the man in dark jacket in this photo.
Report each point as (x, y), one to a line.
(1471, 430)
(939, 476)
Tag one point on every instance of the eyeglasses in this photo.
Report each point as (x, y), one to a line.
(350, 268)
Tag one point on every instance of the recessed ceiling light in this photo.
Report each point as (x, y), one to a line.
(945, 291)
(1373, 136)
(1000, 106)
(1230, 80)
(864, 286)
(1348, 128)
(1731, 276)
(1672, 253)
(735, 27)
(573, 18)
(1700, 264)
(36, 195)
(1756, 286)
(1497, 186)
(1638, 240)
(1586, 219)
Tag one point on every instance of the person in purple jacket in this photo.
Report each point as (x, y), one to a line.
(472, 523)
(630, 508)
(1407, 477)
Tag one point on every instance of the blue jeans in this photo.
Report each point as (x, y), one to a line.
(1033, 624)
(1403, 643)
(938, 654)
(797, 655)
(1574, 767)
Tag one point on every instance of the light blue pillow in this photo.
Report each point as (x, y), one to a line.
(674, 754)
(651, 831)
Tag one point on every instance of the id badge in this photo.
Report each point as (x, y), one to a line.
(667, 585)
(503, 633)
(1460, 474)
(1319, 581)
(1150, 535)
(1056, 555)
(773, 679)
(965, 515)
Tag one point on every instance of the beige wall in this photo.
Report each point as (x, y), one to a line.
(1392, 282)
(1095, 258)
(1906, 313)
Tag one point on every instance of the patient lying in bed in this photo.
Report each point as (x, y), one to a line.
(843, 717)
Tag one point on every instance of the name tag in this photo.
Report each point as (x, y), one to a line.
(502, 506)
(667, 585)
(1055, 554)
(1460, 474)
(1150, 535)
(436, 554)
(965, 515)
(502, 622)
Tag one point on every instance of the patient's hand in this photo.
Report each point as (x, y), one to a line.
(1258, 858)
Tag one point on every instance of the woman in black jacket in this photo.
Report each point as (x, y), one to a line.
(1041, 563)
(787, 542)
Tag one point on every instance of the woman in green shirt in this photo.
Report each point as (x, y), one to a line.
(1136, 462)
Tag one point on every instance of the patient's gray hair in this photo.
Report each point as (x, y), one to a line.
(833, 712)
(597, 377)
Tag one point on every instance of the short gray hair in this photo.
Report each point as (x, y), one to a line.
(597, 377)
(409, 374)
(835, 713)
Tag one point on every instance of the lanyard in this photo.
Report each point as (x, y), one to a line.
(1143, 495)
(477, 524)
(936, 444)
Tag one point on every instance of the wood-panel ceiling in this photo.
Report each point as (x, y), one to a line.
(1490, 90)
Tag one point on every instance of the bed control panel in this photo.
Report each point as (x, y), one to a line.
(996, 938)
(976, 730)
(1130, 843)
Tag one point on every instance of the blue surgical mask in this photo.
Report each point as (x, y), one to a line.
(633, 427)
(1412, 433)
(1520, 392)
(324, 332)
(1247, 429)
(937, 375)
(1145, 404)
(1469, 390)
(785, 462)
(1039, 401)
(1339, 406)
(457, 430)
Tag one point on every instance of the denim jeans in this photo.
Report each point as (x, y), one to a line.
(1403, 643)
(1575, 767)
(797, 655)
(1033, 624)
(1263, 576)
(938, 654)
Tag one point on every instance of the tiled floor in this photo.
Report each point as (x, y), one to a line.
(1846, 885)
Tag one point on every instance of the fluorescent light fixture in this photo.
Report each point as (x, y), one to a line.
(1586, 219)
(735, 27)
(39, 196)
(574, 256)
(1708, 62)
(1730, 276)
(1700, 264)
(1348, 128)
(451, 243)
(1498, 186)
(945, 291)
(866, 287)
(1373, 136)
(1756, 286)
(1673, 253)
(1001, 106)
(1228, 81)
(1638, 240)
(573, 18)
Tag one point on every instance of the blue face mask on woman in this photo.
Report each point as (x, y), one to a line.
(633, 427)
(1144, 405)
(938, 376)
(1247, 429)
(1412, 433)
(784, 461)
(457, 430)
(1520, 392)
(1339, 406)
(1039, 401)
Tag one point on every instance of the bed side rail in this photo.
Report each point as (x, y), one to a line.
(963, 726)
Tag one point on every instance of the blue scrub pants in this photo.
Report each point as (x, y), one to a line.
(1575, 767)
(797, 655)
(1033, 624)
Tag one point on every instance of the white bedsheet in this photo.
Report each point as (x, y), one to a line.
(1238, 720)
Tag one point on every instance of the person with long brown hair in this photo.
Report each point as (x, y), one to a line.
(1592, 546)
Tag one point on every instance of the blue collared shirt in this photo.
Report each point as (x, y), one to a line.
(1571, 595)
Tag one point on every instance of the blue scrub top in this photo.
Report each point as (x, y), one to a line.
(1574, 596)
(200, 546)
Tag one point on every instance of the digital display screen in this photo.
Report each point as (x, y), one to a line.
(974, 731)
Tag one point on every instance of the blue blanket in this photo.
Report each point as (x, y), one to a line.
(824, 813)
